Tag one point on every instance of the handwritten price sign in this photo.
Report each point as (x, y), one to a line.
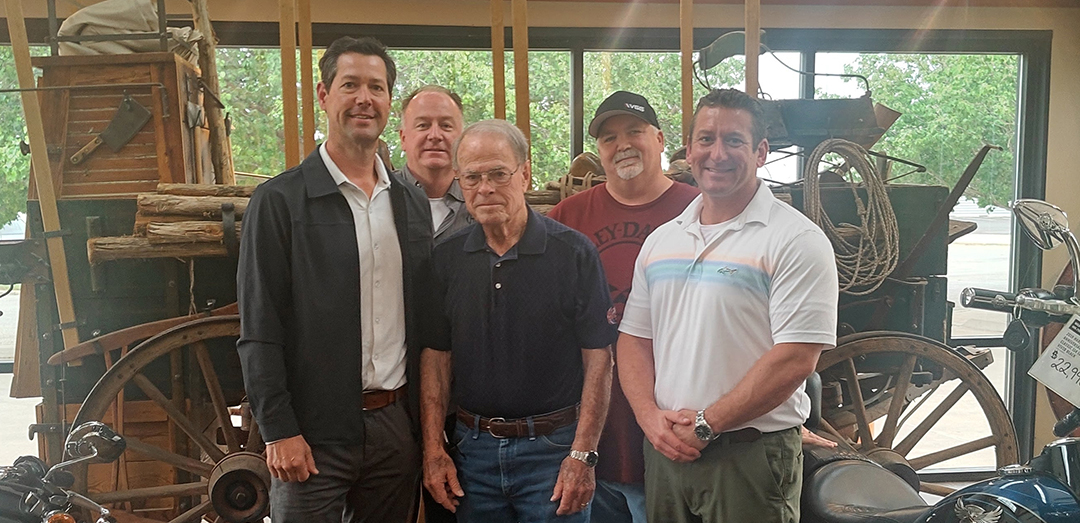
(1059, 366)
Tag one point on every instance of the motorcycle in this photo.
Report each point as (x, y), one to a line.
(32, 493)
(842, 486)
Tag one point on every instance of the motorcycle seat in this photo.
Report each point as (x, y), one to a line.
(855, 491)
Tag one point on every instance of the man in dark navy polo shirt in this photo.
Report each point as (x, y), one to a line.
(521, 326)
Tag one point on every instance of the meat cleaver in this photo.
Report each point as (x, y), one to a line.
(129, 119)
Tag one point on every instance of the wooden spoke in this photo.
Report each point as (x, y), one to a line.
(866, 438)
(935, 489)
(254, 440)
(944, 455)
(166, 491)
(827, 427)
(217, 397)
(905, 446)
(885, 363)
(193, 466)
(195, 514)
(178, 418)
(896, 406)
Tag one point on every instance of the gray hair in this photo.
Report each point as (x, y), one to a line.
(501, 128)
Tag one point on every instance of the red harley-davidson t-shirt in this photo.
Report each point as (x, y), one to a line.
(618, 231)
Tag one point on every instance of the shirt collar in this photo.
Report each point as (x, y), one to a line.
(339, 177)
(453, 193)
(758, 210)
(533, 240)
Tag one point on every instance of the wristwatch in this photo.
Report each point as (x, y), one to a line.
(588, 457)
(702, 429)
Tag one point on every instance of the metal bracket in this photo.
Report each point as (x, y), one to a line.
(47, 428)
(56, 234)
(228, 229)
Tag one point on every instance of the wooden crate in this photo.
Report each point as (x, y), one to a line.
(171, 148)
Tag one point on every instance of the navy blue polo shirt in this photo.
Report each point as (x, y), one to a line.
(516, 323)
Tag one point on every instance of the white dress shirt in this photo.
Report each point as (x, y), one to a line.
(382, 302)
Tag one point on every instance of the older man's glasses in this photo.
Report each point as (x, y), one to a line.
(495, 177)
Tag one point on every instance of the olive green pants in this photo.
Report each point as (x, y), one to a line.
(730, 483)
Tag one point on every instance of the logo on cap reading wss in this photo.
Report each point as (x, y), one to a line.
(635, 107)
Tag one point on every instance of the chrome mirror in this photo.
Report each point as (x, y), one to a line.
(1047, 226)
(1045, 223)
(95, 442)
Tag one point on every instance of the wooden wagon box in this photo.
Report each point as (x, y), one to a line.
(172, 147)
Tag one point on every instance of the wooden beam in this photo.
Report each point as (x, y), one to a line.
(752, 16)
(498, 58)
(521, 66)
(220, 147)
(686, 47)
(39, 158)
(287, 31)
(307, 82)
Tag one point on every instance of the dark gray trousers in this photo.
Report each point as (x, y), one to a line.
(376, 482)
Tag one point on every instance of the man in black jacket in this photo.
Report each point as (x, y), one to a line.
(331, 255)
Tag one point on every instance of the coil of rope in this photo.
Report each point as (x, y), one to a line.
(866, 252)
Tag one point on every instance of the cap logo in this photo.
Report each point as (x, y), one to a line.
(635, 107)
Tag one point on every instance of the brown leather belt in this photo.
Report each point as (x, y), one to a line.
(519, 428)
(377, 399)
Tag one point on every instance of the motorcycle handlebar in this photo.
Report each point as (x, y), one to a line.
(988, 299)
(1048, 307)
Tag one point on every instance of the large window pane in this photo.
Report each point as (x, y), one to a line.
(952, 104)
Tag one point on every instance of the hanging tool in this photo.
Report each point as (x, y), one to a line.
(129, 120)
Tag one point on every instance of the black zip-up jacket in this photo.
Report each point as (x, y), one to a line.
(298, 286)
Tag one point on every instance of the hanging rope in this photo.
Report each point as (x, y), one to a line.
(867, 252)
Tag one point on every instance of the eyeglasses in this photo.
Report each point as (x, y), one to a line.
(495, 177)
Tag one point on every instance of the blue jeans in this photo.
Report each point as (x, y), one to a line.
(511, 479)
(618, 502)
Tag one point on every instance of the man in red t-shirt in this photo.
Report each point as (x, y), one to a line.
(617, 216)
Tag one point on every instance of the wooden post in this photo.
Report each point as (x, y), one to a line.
(50, 217)
(287, 30)
(686, 47)
(220, 147)
(498, 58)
(752, 15)
(307, 83)
(521, 66)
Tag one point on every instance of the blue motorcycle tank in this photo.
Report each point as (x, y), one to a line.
(1029, 498)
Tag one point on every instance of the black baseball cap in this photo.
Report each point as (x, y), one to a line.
(623, 102)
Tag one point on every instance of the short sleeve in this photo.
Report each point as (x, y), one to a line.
(595, 315)
(804, 292)
(637, 317)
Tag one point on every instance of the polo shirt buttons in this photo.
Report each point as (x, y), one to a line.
(377, 321)
(497, 265)
(498, 285)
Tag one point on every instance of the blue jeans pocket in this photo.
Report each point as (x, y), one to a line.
(561, 439)
(459, 438)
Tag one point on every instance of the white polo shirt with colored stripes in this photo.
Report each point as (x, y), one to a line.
(715, 299)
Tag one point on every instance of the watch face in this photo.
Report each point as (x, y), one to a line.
(591, 458)
(702, 432)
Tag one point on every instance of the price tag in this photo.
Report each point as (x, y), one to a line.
(1059, 366)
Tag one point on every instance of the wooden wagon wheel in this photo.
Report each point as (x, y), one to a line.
(901, 380)
(219, 479)
(1060, 406)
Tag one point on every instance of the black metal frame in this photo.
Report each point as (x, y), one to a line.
(1033, 46)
